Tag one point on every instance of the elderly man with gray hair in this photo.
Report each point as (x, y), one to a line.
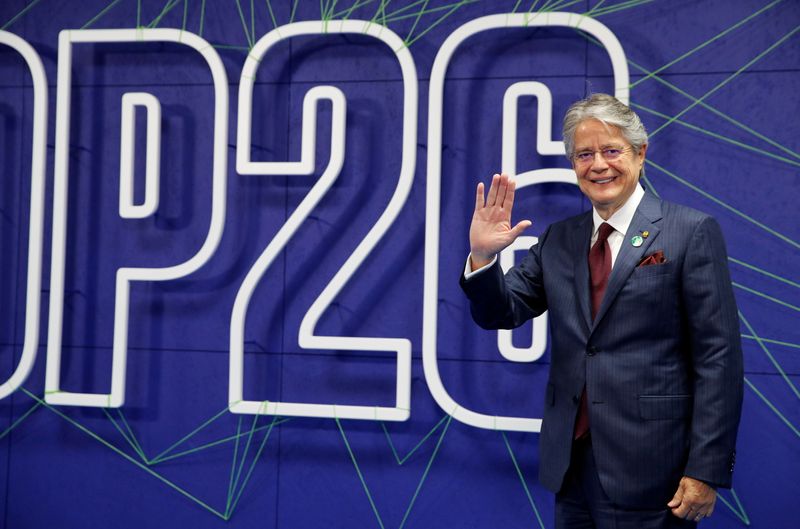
(644, 394)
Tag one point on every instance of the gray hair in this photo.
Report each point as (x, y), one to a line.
(608, 110)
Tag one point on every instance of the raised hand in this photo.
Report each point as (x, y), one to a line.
(491, 231)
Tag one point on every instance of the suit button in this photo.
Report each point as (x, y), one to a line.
(575, 399)
(591, 350)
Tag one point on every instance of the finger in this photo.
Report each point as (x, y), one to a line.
(503, 191)
(492, 198)
(508, 203)
(681, 512)
(676, 499)
(521, 226)
(479, 203)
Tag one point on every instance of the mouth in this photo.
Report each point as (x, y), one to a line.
(603, 181)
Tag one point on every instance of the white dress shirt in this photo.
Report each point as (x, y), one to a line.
(620, 221)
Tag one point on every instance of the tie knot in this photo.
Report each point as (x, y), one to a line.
(605, 231)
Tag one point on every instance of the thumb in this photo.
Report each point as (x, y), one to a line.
(521, 226)
(677, 498)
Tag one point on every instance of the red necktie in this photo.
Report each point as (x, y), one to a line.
(599, 270)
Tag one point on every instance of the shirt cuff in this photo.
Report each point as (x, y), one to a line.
(469, 272)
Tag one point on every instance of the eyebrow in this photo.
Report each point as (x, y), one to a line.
(605, 146)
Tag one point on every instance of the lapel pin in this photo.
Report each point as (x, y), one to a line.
(645, 234)
(636, 240)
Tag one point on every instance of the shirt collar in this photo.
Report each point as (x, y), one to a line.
(621, 218)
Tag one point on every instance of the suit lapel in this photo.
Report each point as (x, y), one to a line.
(581, 239)
(647, 214)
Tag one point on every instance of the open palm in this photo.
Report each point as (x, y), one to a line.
(491, 230)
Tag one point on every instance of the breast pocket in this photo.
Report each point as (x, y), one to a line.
(652, 270)
(664, 407)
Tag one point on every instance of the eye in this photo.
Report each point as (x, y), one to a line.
(584, 156)
(611, 153)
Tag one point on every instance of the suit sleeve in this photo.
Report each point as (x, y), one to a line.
(716, 356)
(505, 302)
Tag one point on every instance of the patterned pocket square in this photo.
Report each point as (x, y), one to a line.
(654, 258)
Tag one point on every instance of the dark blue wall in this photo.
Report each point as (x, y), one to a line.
(735, 154)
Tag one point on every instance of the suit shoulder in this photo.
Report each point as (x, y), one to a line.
(684, 216)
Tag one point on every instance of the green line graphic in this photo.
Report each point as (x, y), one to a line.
(597, 6)
(776, 342)
(233, 467)
(360, 475)
(716, 112)
(738, 512)
(775, 363)
(727, 80)
(620, 7)
(522, 480)
(516, 6)
(771, 406)
(425, 473)
(125, 456)
(20, 14)
(766, 296)
(20, 419)
(244, 25)
(185, 14)
(764, 272)
(191, 434)
(131, 434)
(244, 462)
(167, 8)
(99, 15)
(724, 204)
(272, 14)
(703, 104)
(718, 136)
(345, 14)
(233, 505)
(202, 17)
(707, 42)
(124, 435)
(416, 21)
(238, 475)
(402, 461)
(454, 5)
(380, 12)
(212, 444)
(439, 20)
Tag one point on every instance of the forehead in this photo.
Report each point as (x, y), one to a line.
(593, 133)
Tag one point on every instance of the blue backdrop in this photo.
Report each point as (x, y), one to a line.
(716, 83)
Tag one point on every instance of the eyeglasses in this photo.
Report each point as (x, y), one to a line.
(609, 154)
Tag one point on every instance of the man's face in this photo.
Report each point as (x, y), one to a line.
(606, 166)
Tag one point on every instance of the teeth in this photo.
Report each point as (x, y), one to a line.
(604, 181)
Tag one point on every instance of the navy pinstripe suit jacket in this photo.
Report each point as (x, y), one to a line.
(662, 361)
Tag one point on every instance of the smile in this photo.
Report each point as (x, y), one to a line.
(604, 180)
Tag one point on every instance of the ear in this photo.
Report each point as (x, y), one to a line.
(642, 154)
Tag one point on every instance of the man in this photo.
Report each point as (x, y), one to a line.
(644, 393)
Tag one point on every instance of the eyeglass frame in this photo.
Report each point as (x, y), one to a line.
(603, 154)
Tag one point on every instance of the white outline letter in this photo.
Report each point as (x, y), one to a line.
(306, 337)
(53, 393)
(435, 110)
(36, 214)
(127, 150)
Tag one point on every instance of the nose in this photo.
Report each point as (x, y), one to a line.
(599, 163)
